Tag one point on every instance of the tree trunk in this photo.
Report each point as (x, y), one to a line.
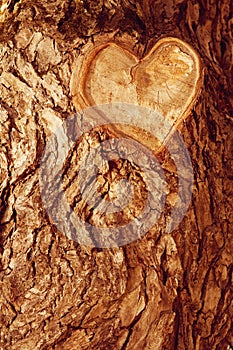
(163, 290)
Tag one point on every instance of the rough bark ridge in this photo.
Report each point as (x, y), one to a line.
(160, 292)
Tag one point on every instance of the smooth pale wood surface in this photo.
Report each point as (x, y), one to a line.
(167, 80)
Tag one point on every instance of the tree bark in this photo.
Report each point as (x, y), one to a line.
(162, 291)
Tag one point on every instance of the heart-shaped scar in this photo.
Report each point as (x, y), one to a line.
(167, 80)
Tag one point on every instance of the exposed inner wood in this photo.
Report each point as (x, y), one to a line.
(166, 80)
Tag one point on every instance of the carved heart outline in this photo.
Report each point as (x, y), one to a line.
(167, 79)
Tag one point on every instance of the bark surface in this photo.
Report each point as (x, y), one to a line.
(162, 291)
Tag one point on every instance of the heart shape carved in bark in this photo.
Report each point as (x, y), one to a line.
(166, 80)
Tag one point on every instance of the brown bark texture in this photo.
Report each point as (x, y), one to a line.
(161, 291)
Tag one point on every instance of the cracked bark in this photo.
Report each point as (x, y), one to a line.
(160, 292)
